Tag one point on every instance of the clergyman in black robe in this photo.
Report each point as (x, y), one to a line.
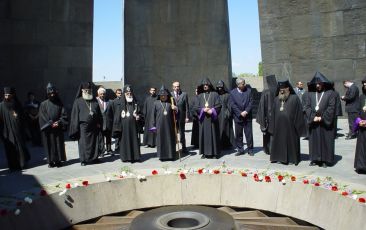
(225, 117)
(31, 108)
(125, 125)
(320, 112)
(53, 122)
(86, 125)
(264, 111)
(163, 123)
(208, 108)
(360, 126)
(149, 138)
(286, 125)
(195, 121)
(12, 130)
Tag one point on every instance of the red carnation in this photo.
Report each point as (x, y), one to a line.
(243, 174)
(3, 212)
(182, 176)
(334, 188)
(293, 178)
(255, 176)
(19, 203)
(305, 181)
(361, 200)
(200, 171)
(316, 184)
(43, 192)
(85, 183)
(344, 193)
(120, 176)
(229, 172)
(267, 178)
(154, 172)
(280, 178)
(68, 186)
(216, 171)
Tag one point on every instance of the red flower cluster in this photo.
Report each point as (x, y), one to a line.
(280, 178)
(334, 188)
(255, 176)
(305, 181)
(68, 186)
(3, 212)
(267, 178)
(200, 171)
(293, 178)
(120, 176)
(229, 172)
(43, 192)
(216, 171)
(85, 183)
(182, 176)
(361, 200)
(344, 193)
(316, 184)
(19, 203)
(243, 174)
(154, 172)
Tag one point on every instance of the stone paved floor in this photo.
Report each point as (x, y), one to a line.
(39, 174)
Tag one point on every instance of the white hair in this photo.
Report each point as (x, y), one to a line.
(101, 90)
(240, 80)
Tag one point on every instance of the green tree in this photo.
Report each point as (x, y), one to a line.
(260, 69)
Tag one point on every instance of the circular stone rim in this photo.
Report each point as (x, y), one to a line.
(202, 219)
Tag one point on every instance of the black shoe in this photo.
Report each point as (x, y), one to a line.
(239, 153)
(51, 165)
(184, 150)
(312, 163)
(350, 137)
(250, 152)
(83, 164)
(58, 164)
(324, 165)
(203, 156)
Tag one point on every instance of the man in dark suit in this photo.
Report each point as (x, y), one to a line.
(241, 101)
(181, 100)
(352, 105)
(103, 105)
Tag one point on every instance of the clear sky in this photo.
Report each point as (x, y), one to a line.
(108, 38)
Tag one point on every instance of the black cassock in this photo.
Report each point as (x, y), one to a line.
(12, 127)
(209, 130)
(148, 109)
(53, 138)
(86, 126)
(264, 114)
(286, 128)
(125, 127)
(321, 134)
(226, 123)
(360, 155)
(165, 134)
(195, 124)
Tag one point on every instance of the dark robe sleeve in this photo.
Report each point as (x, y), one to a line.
(299, 118)
(43, 117)
(329, 113)
(74, 131)
(262, 118)
(310, 114)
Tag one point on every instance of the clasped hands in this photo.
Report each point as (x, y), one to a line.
(207, 110)
(362, 123)
(317, 119)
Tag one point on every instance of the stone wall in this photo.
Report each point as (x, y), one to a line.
(301, 37)
(169, 40)
(42, 41)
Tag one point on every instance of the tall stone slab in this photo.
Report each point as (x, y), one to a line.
(45, 41)
(176, 40)
(300, 37)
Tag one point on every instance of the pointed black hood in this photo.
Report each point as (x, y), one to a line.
(50, 88)
(221, 84)
(206, 81)
(271, 83)
(363, 80)
(163, 91)
(319, 78)
(85, 85)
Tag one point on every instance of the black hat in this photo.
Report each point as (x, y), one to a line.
(284, 84)
(206, 81)
(127, 88)
(319, 78)
(163, 91)
(9, 90)
(364, 80)
(86, 85)
(50, 88)
(271, 83)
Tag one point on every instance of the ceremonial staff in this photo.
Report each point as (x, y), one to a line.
(176, 130)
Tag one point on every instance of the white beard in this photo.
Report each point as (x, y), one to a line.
(129, 99)
(87, 96)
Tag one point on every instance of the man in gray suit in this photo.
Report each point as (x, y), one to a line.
(351, 98)
(181, 100)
